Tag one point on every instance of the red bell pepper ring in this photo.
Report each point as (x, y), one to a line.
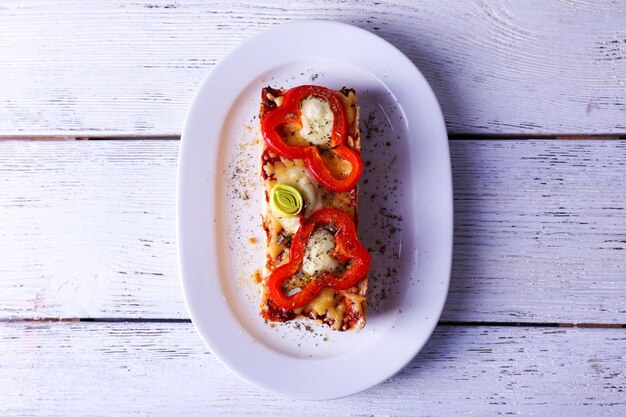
(347, 250)
(289, 111)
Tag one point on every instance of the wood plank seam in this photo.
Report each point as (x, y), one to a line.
(451, 136)
(440, 323)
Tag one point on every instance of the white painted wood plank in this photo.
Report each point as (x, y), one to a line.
(100, 67)
(87, 229)
(72, 246)
(540, 231)
(156, 369)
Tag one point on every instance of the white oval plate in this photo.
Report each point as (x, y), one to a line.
(405, 211)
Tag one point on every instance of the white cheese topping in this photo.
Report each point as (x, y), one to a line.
(290, 224)
(317, 121)
(297, 177)
(318, 253)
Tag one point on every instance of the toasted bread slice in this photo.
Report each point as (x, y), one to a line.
(340, 310)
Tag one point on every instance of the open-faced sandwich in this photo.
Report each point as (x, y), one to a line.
(316, 268)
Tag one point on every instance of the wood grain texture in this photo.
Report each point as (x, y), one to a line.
(540, 231)
(88, 230)
(164, 370)
(117, 68)
(73, 247)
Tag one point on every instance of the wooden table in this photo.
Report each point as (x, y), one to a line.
(93, 321)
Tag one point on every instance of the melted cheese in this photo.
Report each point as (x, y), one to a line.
(324, 301)
(331, 305)
(357, 302)
(318, 253)
(317, 121)
(325, 305)
(295, 174)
